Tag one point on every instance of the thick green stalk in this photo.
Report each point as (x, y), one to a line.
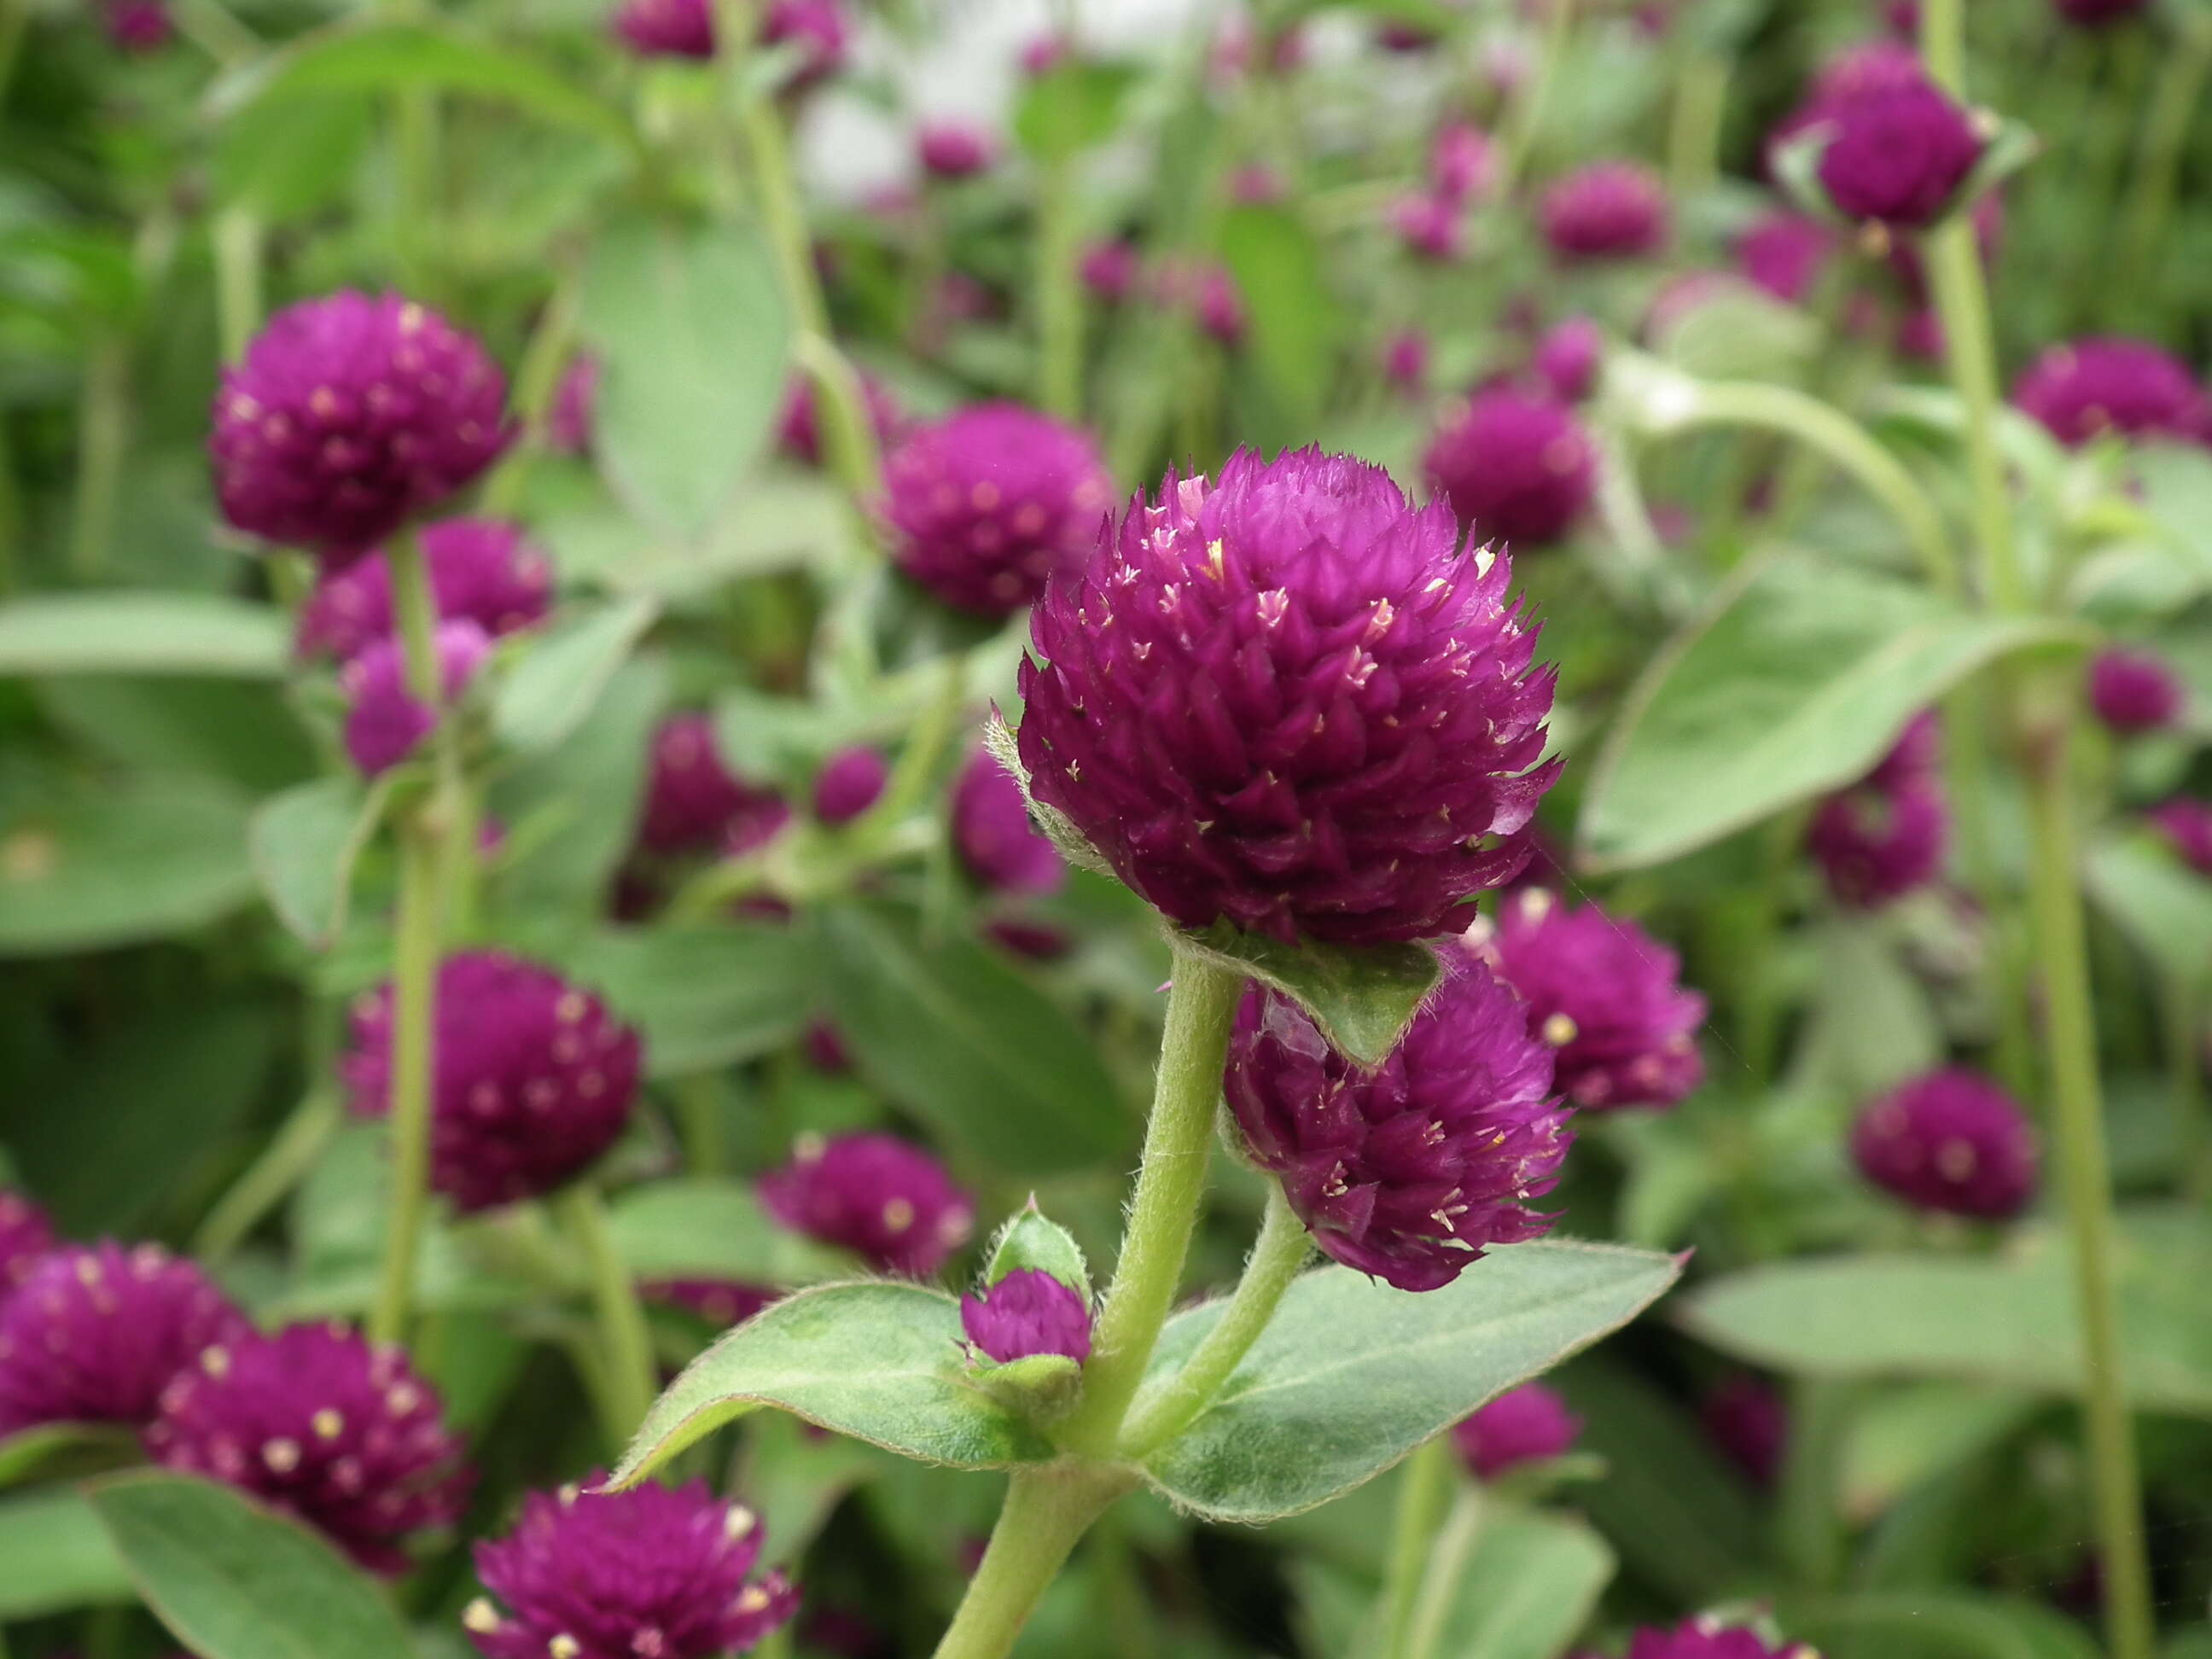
(1424, 1488)
(2181, 1019)
(1962, 303)
(1278, 1255)
(1047, 1510)
(237, 239)
(625, 1340)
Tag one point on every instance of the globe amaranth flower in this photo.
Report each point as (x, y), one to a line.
(953, 149)
(1887, 834)
(1108, 270)
(2099, 14)
(2108, 383)
(1785, 254)
(93, 1332)
(1516, 466)
(667, 28)
(533, 1078)
(1041, 54)
(1951, 1141)
(1204, 289)
(1527, 1424)
(994, 836)
(138, 26)
(848, 784)
(2134, 691)
(825, 1047)
(1027, 1312)
(482, 570)
(1406, 360)
(349, 416)
(319, 1423)
(2186, 826)
(1463, 163)
(816, 28)
(25, 1236)
(1291, 701)
(720, 1302)
(882, 1198)
(568, 424)
(694, 802)
(1897, 155)
(654, 1573)
(1256, 184)
(1603, 994)
(1607, 210)
(1408, 1172)
(1567, 356)
(1869, 67)
(798, 430)
(1428, 226)
(1708, 1638)
(988, 505)
(1746, 1418)
(384, 720)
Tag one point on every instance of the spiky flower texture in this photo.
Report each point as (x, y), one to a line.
(1026, 1313)
(1293, 701)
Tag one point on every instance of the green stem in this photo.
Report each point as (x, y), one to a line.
(266, 1181)
(1809, 1524)
(2179, 1015)
(1962, 304)
(2174, 101)
(1278, 1255)
(1047, 1510)
(237, 239)
(625, 1340)
(1528, 114)
(1943, 43)
(699, 1122)
(1423, 1490)
(103, 434)
(1447, 1566)
(1058, 298)
(536, 384)
(1163, 1211)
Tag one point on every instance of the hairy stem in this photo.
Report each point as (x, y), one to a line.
(625, 1341)
(1047, 1510)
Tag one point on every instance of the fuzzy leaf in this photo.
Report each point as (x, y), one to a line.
(2164, 909)
(707, 1229)
(54, 1557)
(1363, 997)
(123, 632)
(1032, 1240)
(704, 997)
(304, 844)
(552, 689)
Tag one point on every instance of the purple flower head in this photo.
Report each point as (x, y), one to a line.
(985, 505)
(693, 802)
(482, 570)
(1404, 37)
(799, 433)
(2111, 384)
(1897, 153)
(667, 28)
(1607, 210)
(1567, 357)
(1951, 1141)
(1409, 1172)
(1108, 270)
(1527, 1424)
(1462, 163)
(825, 1047)
(847, 785)
(2186, 826)
(2134, 691)
(384, 719)
(1290, 700)
(1877, 842)
(349, 416)
(25, 1236)
(817, 27)
(1783, 253)
(1256, 184)
(91, 1332)
(1604, 995)
(654, 1573)
(576, 400)
(993, 834)
(882, 1198)
(1748, 1420)
(1915, 755)
(1516, 466)
(720, 1302)
(1206, 290)
(1043, 53)
(953, 149)
(1707, 1638)
(1027, 1312)
(1871, 66)
(533, 1078)
(317, 1422)
(139, 26)
(1428, 226)
(2099, 14)
(1406, 359)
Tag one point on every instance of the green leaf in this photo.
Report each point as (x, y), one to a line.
(706, 996)
(707, 1229)
(2176, 484)
(1032, 1241)
(2164, 908)
(1738, 332)
(957, 1035)
(1938, 1623)
(1071, 106)
(692, 339)
(284, 157)
(1871, 1025)
(880, 1362)
(1792, 684)
(1351, 1375)
(123, 633)
(1362, 996)
(233, 1581)
(1910, 1433)
(553, 688)
(54, 1556)
(241, 731)
(1294, 321)
(304, 844)
(1527, 1588)
(133, 858)
(59, 1450)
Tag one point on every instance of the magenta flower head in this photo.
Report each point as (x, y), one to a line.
(1604, 994)
(1746, 1418)
(1527, 1424)
(93, 1332)
(953, 149)
(799, 433)
(720, 1302)
(1208, 292)
(1783, 253)
(2134, 691)
(2111, 384)
(987, 505)
(882, 1198)
(1406, 360)
(1880, 840)
(817, 28)
(1516, 466)
(2099, 14)
(1293, 701)
(1108, 270)
(993, 834)
(25, 1236)
(848, 784)
(318, 1423)
(575, 401)
(1408, 1172)
(1707, 1638)
(654, 1573)
(1462, 163)
(1567, 356)
(1430, 226)
(139, 26)
(385, 721)
(693, 802)
(1897, 155)
(1607, 210)
(1027, 1312)
(347, 417)
(534, 1077)
(667, 28)
(1950, 1141)
(482, 570)
(2186, 826)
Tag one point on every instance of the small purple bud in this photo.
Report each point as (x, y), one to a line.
(1027, 1312)
(1043, 53)
(953, 149)
(317, 1423)
(1463, 163)
(482, 570)
(1567, 357)
(2133, 691)
(848, 784)
(1256, 184)
(1517, 467)
(882, 1198)
(1406, 360)
(1607, 210)
(1108, 270)
(25, 1236)
(1528, 1424)
(654, 1572)
(383, 720)
(2108, 383)
(138, 26)
(1897, 153)
(1950, 1141)
(799, 434)
(818, 27)
(667, 28)
(825, 1047)
(2186, 825)
(1706, 1638)
(1748, 1420)
(1428, 226)
(1877, 844)
(993, 834)
(693, 802)
(1783, 253)
(2099, 14)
